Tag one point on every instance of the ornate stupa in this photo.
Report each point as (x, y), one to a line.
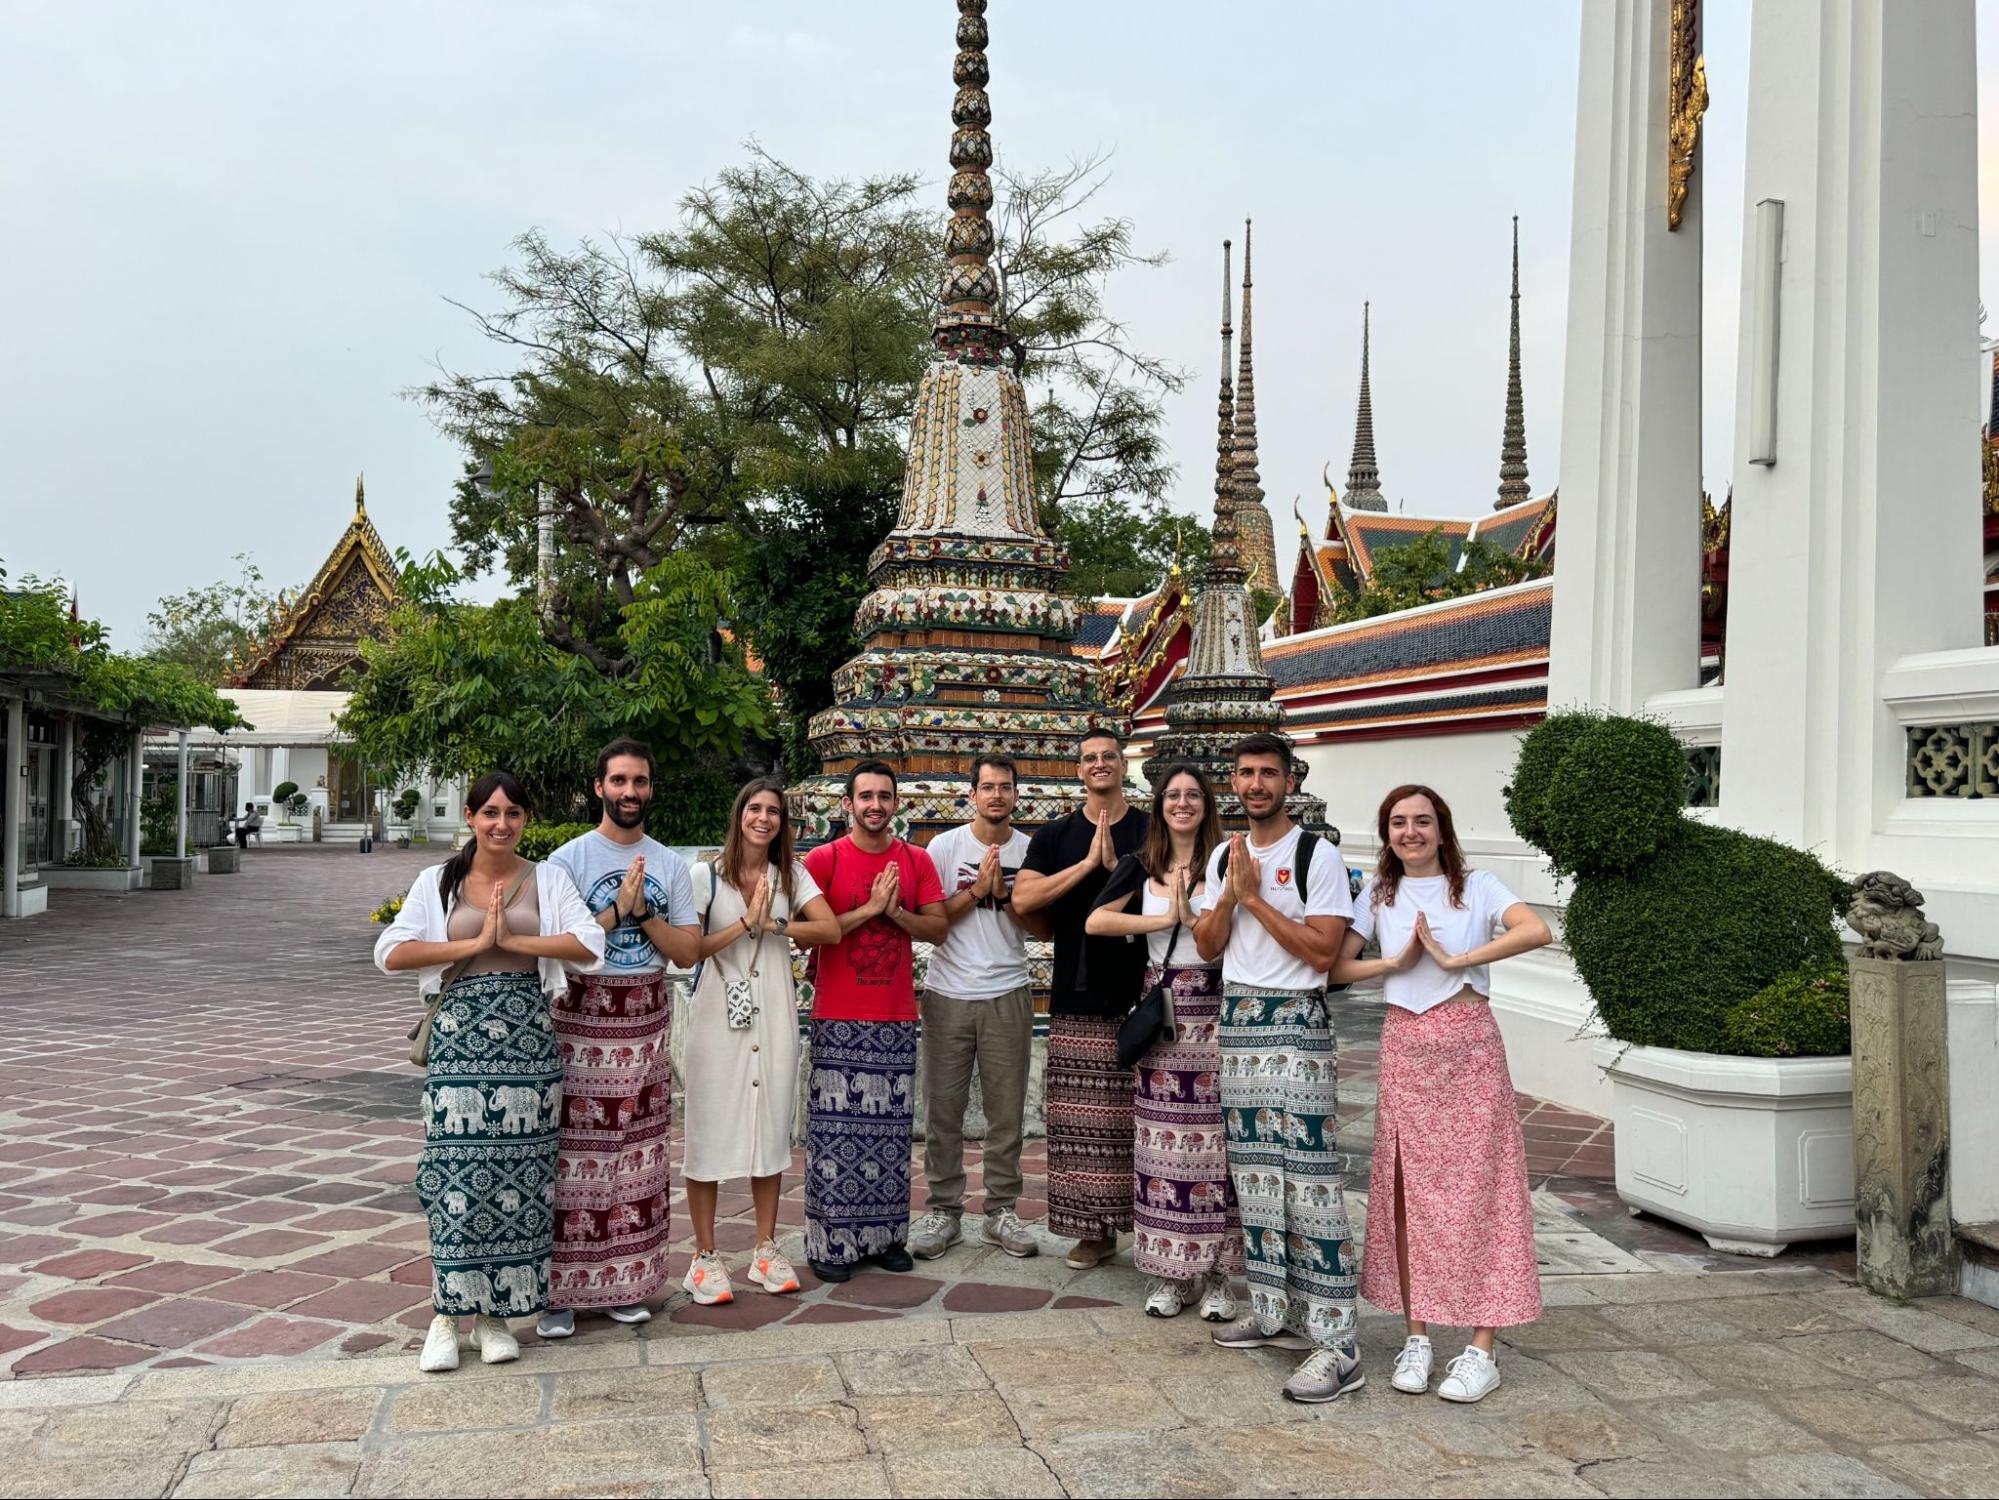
(1363, 474)
(1225, 693)
(1256, 541)
(964, 632)
(1513, 442)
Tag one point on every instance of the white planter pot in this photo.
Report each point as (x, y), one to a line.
(79, 878)
(1755, 1153)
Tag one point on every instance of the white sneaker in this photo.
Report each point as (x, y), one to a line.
(440, 1346)
(496, 1345)
(771, 1271)
(1165, 1297)
(707, 1280)
(1412, 1366)
(637, 1312)
(556, 1323)
(1472, 1376)
(1218, 1303)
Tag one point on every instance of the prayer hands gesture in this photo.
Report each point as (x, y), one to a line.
(495, 934)
(1245, 874)
(758, 911)
(1444, 959)
(886, 891)
(991, 883)
(1404, 961)
(632, 889)
(1102, 847)
(1180, 888)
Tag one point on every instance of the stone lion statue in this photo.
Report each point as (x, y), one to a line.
(1888, 913)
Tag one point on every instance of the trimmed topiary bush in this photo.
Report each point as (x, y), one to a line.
(1673, 924)
(1805, 1014)
(539, 840)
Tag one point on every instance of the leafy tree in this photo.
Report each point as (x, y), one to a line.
(1116, 551)
(1422, 571)
(206, 629)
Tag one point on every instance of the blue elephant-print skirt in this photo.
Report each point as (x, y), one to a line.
(492, 1113)
(857, 1132)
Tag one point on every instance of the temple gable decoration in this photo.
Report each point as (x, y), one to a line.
(312, 640)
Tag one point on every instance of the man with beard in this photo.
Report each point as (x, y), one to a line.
(611, 1179)
(862, 1086)
(1276, 908)
(978, 1011)
(1089, 1097)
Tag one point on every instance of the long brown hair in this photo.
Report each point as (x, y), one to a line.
(734, 850)
(1157, 856)
(1388, 870)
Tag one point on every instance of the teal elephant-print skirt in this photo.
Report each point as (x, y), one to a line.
(492, 1113)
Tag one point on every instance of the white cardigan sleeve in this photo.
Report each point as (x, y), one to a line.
(421, 920)
(563, 910)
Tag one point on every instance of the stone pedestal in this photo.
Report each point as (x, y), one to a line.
(1901, 1128)
(172, 874)
(225, 859)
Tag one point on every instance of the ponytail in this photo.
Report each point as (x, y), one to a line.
(452, 873)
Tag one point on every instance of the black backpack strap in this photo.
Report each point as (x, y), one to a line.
(1307, 842)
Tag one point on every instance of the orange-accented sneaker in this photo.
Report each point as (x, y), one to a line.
(771, 1271)
(707, 1280)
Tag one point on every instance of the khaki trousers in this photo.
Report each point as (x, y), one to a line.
(998, 1037)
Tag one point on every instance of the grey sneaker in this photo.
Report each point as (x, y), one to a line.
(933, 1234)
(1247, 1332)
(1325, 1374)
(557, 1323)
(1003, 1228)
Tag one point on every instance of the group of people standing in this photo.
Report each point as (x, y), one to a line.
(548, 1094)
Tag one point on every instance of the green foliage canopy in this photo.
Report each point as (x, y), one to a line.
(1422, 571)
(206, 629)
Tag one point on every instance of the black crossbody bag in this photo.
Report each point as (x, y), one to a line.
(1151, 1019)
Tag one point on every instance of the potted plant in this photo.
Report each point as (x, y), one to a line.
(404, 807)
(1714, 962)
(281, 797)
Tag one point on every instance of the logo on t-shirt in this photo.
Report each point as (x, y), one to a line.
(1284, 875)
(627, 946)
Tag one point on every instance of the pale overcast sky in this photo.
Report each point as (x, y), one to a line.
(231, 229)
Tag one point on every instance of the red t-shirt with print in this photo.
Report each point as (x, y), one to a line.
(870, 974)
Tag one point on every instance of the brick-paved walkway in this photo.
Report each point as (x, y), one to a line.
(207, 1136)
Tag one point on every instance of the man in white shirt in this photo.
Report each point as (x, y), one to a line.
(611, 1188)
(1275, 909)
(978, 1010)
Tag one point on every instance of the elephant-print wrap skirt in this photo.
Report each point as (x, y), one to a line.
(858, 1121)
(492, 1110)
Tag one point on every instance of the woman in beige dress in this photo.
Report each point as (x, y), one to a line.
(755, 901)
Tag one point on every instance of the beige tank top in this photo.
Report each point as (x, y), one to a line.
(523, 919)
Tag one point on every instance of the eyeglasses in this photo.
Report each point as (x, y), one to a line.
(1104, 758)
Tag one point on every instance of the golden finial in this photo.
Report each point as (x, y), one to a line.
(360, 496)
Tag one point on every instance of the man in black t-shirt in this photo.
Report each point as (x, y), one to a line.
(1089, 1097)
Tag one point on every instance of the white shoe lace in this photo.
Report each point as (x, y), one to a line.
(1468, 1369)
(1414, 1357)
(1319, 1364)
(1162, 1284)
(1005, 1223)
(937, 1225)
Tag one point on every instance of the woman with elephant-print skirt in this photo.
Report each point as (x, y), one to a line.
(496, 934)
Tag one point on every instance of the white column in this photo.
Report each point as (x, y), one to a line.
(180, 808)
(65, 774)
(1627, 594)
(281, 767)
(135, 790)
(1860, 543)
(13, 802)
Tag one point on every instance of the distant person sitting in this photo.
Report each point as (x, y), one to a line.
(248, 824)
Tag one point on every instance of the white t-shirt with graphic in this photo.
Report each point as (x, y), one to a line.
(598, 866)
(1255, 959)
(984, 955)
(1458, 928)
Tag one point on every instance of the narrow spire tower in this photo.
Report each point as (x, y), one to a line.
(1255, 536)
(1513, 444)
(965, 629)
(1225, 692)
(1363, 475)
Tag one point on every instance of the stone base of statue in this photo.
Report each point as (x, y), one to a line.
(1901, 1127)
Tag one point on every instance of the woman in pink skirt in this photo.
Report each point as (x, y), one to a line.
(1450, 1228)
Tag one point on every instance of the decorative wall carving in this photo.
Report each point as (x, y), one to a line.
(1687, 102)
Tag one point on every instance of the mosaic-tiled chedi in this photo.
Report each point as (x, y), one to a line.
(1225, 693)
(964, 630)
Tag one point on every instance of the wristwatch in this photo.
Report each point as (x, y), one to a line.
(643, 915)
(778, 925)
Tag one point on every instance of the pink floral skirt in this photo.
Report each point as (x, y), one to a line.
(1446, 1115)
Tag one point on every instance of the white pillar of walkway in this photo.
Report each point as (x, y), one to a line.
(65, 798)
(1627, 599)
(180, 802)
(13, 805)
(1860, 543)
(135, 784)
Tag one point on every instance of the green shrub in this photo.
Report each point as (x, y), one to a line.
(1671, 947)
(283, 792)
(1802, 1014)
(539, 840)
(691, 807)
(1672, 923)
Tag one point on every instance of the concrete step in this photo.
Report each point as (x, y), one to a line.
(1978, 1262)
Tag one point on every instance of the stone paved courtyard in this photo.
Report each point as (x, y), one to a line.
(211, 1265)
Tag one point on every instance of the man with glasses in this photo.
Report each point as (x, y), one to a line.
(1089, 1096)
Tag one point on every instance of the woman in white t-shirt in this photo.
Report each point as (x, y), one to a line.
(1188, 1234)
(755, 901)
(1450, 1226)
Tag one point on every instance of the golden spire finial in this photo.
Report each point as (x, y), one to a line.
(360, 496)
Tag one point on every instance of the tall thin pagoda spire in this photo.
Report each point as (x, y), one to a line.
(970, 295)
(1363, 474)
(1513, 445)
(1256, 543)
(1224, 558)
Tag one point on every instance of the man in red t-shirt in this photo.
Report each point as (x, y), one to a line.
(862, 1087)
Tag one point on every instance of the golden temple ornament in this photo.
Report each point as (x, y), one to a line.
(1686, 101)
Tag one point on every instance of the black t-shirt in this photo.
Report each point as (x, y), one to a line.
(1053, 849)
